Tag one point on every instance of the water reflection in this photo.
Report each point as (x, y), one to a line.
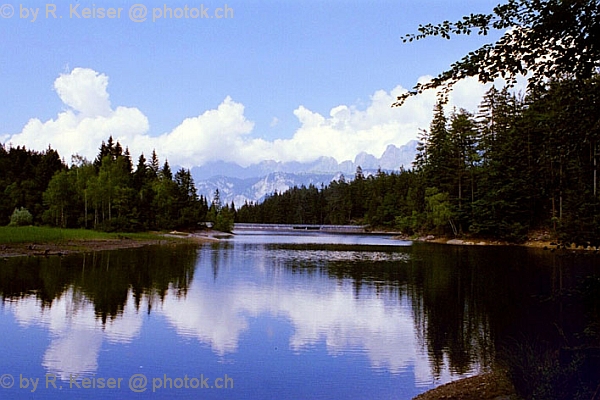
(418, 316)
(350, 298)
(319, 313)
(85, 300)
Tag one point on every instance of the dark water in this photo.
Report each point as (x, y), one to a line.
(274, 316)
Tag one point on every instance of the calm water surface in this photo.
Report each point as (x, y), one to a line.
(272, 315)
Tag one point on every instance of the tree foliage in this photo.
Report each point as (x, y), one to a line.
(24, 176)
(543, 39)
(105, 194)
(519, 164)
(21, 217)
(221, 216)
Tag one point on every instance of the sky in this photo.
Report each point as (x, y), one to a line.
(270, 80)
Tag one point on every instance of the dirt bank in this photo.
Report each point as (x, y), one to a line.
(489, 386)
(535, 243)
(538, 240)
(79, 246)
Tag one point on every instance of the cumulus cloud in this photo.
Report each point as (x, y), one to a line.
(214, 134)
(84, 90)
(224, 133)
(87, 119)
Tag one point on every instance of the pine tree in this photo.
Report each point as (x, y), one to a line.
(141, 173)
(153, 167)
(127, 159)
(103, 152)
(504, 189)
(438, 167)
(188, 204)
(165, 172)
(463, 136)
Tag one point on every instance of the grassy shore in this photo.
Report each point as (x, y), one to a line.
(43, 241)
(42, 234)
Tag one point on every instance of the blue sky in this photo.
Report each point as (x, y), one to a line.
(282, 80)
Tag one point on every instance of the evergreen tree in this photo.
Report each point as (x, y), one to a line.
(188, 204)
(165, 172)
(222, 217)
(165, 199)
(141, 173)
(463, 138)
(438, 167)
(153, 167)
(142, 183)
(127, 161)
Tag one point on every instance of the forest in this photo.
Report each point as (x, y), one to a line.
(520, 163)
(106, 194)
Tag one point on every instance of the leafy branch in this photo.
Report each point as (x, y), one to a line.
(544, 40)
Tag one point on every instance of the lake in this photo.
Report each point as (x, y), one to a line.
(272, 315)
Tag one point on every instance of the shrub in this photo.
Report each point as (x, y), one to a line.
(21, 217)
(223, 221)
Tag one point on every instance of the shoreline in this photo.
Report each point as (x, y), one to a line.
(537, 241)
(543, 244)
(47, 248)
(485, 386)
(73, 246)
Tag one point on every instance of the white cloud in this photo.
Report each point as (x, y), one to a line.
(225, 133)
(87, 120)
(76, 334)
(207, 137)
(84, 90)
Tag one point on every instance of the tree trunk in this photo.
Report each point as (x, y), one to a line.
(560, 196)
(594, 153)
(85, 207)
(553, 213)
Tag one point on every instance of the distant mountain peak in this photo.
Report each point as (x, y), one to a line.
(253, 183)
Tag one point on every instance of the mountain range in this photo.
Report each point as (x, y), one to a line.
(253, 183)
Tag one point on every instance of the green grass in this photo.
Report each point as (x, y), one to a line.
(41, 234)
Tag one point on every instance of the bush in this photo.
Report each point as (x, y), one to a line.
(223, 221)
(21, 217)
(411, 223)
